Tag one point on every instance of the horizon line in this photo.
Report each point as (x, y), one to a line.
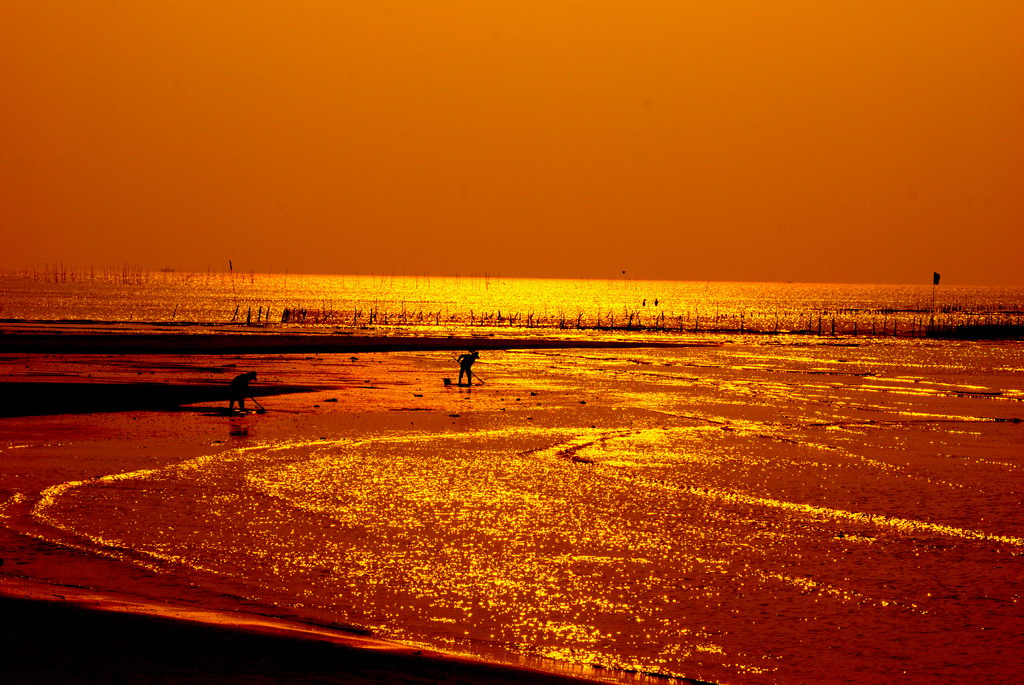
(75, 270)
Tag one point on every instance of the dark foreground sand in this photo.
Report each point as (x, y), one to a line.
(77, 631)
(53, 634)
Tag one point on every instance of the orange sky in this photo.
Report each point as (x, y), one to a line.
(848, 140)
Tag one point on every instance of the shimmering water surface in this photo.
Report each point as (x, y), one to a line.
(767, 510)
(452, 302)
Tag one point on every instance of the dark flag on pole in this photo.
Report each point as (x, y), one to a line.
(935, 278)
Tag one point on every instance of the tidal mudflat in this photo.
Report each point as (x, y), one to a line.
(777, 510)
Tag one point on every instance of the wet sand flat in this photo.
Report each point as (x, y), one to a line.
(75, 615)
(689, 502)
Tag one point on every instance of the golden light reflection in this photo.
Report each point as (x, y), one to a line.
(575, 545)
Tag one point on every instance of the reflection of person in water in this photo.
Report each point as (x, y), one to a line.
(466, 366)
(240, 389)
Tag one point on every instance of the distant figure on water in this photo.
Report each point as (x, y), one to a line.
(466, 366)
(240, 389)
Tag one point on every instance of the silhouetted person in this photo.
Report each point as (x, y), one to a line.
(240, 389)
(466, 366)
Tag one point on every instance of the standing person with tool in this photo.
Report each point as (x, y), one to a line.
(240, 390)
(466, 366)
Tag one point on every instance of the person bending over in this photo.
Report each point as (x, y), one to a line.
(240, 389)
(466, 366)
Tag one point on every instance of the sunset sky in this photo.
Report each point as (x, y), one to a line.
(786, 140)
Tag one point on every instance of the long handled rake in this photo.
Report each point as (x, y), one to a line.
(473, 374)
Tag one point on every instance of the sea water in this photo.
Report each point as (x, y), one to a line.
(419, 304)
(769, 510)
